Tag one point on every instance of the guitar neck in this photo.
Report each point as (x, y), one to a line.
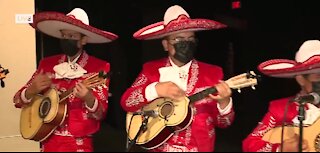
(65, 94)
(90, 82)
(202, 94)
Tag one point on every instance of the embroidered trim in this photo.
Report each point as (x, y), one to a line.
(84, 60)
(209, 121)
(212, 132)
(63, 133)
(140, 81)
(194, 76)
(175, 137)
(188, 135)
(85, 115)
(262, 129)
(135, 98)
(79, 141)
(267, 148)
(225, 119)
(175, 148)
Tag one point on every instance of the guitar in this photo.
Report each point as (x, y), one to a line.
(168, 116)
(46, 112)
(311, 133)
(3, 74)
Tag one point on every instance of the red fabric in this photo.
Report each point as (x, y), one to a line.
(274, 117)
(200, 136)
(67, 144)
(79, 121)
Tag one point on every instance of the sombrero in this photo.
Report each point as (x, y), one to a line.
(307, 61)
(176, 19)
(51, 23)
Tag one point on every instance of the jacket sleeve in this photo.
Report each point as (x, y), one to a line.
(254, 141)
(101, 94)
(223, 121)
(134, 97)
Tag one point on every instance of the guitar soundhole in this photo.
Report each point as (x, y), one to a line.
(317, 143)
(44, 107)
(166, 109)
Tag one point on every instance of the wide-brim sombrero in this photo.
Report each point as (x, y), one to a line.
(51, 23)
(307, 62)
(176, 19)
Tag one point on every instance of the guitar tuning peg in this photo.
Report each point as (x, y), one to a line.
(253, 87)
(239, 90)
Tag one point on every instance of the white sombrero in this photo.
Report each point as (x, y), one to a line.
(307, 61)
(176, 19)
(51, 23)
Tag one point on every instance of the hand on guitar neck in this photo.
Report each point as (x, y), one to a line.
(224, 94)
(171, 90)
(84, 93)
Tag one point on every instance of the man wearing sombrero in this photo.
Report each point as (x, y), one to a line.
(85, 106)
(180, 75)
(306, 70)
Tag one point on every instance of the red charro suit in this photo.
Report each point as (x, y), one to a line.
(200, 135)
(80, 123)
(274, 117)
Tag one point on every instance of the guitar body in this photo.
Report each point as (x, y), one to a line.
(168, 117)
(171, 116)
(42, 116)
(310, 133)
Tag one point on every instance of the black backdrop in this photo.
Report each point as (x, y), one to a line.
(258, 31)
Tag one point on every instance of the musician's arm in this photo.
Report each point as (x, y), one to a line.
(226, 108)
(140, 93)
(20, 98)
(225, 117)
(98, 106)
(254, 141)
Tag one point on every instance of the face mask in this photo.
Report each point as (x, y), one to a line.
(184, 51)
(69, 47)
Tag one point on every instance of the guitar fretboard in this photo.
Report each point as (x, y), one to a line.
(202, 94)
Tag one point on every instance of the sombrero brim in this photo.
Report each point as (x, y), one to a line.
(51, 23)
(159, 30)
(283, 68)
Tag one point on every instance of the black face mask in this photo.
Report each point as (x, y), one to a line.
(69, 47)
(184, 51)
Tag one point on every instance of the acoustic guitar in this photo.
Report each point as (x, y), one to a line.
(3, 74)
(46, 112)
(311, 133)
(168, 116)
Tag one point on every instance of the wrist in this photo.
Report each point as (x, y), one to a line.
(89, 99)
(224, 102)
(29, 94)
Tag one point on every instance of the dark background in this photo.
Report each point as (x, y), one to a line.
(258, 31)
